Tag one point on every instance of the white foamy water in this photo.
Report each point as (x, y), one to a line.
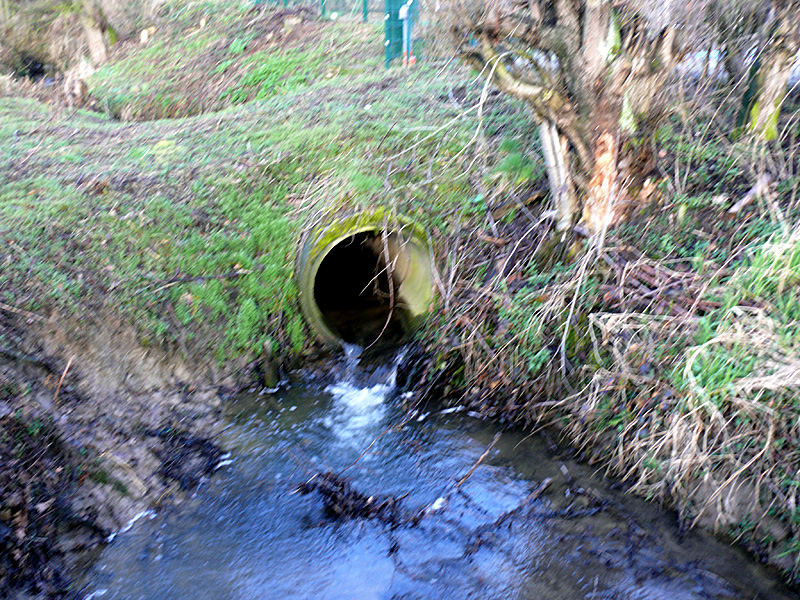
(359, 408)
(358, 411)
(359, 398)
(150, 514)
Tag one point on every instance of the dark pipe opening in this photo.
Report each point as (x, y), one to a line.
(32, 68)
(353, 293)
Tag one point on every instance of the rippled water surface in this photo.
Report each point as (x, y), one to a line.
(247, 535)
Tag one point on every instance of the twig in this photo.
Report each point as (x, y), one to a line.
(385, 135)
(444, 127)
(372, 443)
(532, 497)
(495, 241)
(14, 355)
(200, 279)
(19, 311)
(478, 462)
(759, 189)
(135, 478)
(390, 277)
(60, 381)
(52, 117)
(396, 427)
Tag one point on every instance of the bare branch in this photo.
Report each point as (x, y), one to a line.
(547, 103)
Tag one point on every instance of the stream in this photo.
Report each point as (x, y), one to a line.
(247, 534)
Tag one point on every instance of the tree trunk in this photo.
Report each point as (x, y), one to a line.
(771, 83)
(94, 27)
(562, 189)
(769, 75)
(618, 180)
(602, 206)
(592, 73)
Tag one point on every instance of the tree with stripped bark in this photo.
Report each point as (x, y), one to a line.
(593, 73)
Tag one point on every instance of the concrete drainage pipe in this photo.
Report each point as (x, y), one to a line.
(364, 279)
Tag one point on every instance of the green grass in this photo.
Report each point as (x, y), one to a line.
(187, 227)
(239, 56)
(270, 73)
(161, 260)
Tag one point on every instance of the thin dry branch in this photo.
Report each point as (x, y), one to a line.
(479, 461)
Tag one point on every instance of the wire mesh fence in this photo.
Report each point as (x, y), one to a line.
(366, 10)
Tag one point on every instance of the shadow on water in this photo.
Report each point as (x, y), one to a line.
(247, 533)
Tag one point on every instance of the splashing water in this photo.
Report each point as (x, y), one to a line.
(359, 408)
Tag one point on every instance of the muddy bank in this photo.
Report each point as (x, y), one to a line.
(94, 430)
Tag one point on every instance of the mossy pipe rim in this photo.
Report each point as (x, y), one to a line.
(416, 292)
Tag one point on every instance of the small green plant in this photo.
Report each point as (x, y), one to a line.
(34, 428)
(103, 477)
(271, 73)
(518, 167)
(238, 46)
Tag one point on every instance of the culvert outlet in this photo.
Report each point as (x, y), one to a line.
(347, 291)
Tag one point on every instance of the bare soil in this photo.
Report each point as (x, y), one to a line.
(88, 443)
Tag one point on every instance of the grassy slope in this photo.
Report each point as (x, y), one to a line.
(187, 226)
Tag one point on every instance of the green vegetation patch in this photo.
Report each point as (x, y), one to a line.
(211, 56)
(187, 227)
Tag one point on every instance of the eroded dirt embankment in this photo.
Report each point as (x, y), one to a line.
(94, 430)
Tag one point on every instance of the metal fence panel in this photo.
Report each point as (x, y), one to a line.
(359, 9)
(393, 26)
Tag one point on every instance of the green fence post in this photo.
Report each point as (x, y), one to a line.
(366, 10)
(322, 7)
(393, 43)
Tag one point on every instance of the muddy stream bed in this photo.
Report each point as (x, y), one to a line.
(248, 534)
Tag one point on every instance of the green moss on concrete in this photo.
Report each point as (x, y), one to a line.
(415, 259)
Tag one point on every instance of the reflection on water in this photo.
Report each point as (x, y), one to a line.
(247, 535)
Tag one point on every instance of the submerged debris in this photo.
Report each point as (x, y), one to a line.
(342, 501)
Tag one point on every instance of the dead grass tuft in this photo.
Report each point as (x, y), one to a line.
(682, 380)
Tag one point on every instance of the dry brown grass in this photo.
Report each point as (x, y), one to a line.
(698, 407)
(683, 383)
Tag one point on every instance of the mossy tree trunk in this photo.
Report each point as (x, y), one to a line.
(769, 76)
(592, 72)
